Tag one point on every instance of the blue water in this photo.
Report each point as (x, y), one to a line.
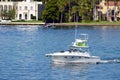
(23, 49)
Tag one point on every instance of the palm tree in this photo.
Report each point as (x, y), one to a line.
(107, 13)
(4, 14)
(118, 8)
(82, 5)
(100, 13)
(44, 1)
(61, 5)
(85, 9)
(94, 9)
(115, 5)
(74, 12)
(69, 11)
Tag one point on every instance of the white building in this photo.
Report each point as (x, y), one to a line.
(25, 10)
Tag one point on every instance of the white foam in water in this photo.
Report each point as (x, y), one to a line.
(110, 61)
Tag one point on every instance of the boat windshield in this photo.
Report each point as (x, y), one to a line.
(84, 50)
(78, 50)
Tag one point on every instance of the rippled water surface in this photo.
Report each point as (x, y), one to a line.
(23, 49)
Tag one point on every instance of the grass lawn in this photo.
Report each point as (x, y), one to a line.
(72, 23)
(102, 22)
(95, 23)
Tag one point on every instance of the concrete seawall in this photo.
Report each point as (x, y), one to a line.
(58, 24)
(22, 23)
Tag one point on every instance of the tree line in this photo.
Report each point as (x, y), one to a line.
(69, 10)
(78, 11)
(8, 14)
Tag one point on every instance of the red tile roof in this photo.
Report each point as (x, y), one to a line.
(112, 3)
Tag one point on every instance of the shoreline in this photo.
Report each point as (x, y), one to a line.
(23, 23)
(82, 24)
(59, 24)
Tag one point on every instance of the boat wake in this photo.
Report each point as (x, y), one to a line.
(110, 61)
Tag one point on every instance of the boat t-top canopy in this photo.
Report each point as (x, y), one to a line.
(81, 42)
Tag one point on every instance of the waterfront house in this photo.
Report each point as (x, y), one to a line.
(107, 10)
(24, 10)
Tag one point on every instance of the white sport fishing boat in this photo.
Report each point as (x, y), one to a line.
(77, 53)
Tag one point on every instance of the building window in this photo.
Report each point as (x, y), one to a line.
(79, 57)
(20, 16)
(25, 16)
(72, 57)
(16, 7)
(65, 57)
(20, 7)
(5, 7)
(105, 4)
(86, 57)
(25, 7)
(113, 12)
(31, 7)
(1, 8)
(10, 7)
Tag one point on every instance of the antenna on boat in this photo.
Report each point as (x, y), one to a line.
(75, 21)
(75, 31)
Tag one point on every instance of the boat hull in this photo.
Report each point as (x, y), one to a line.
(75, 59)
